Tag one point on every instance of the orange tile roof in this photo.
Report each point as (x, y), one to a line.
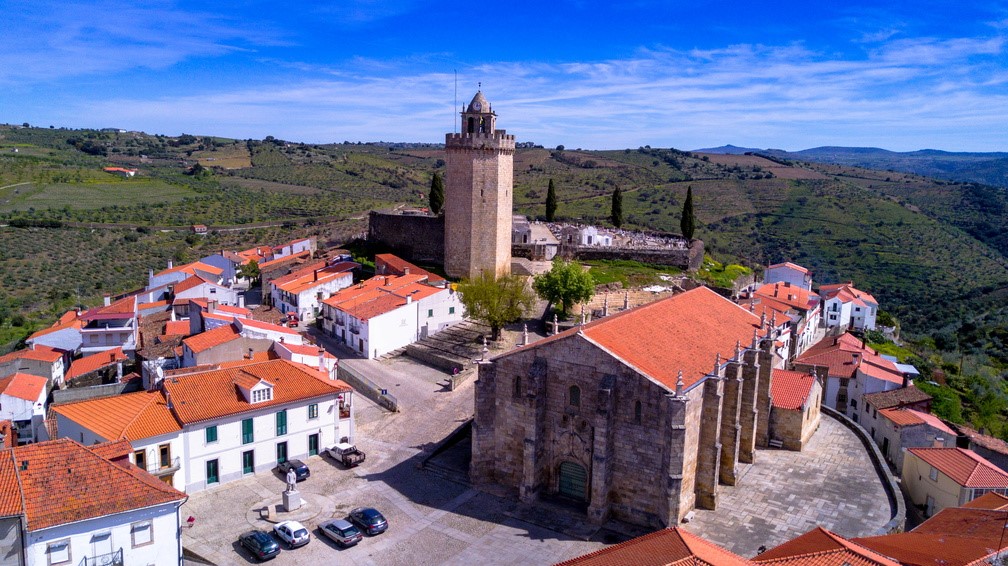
(23, 386)
(59, 481)
(9, 440)
(253, 323)
(965, 467)
(991, 443)
(399, 267)
(303, 349)
(790, 389)
(846, 292)
(794, 296)
(953, 537)
(192, 282)
(130, 416)
(295, 274)
(213, 394)
(672, 546)
(313, 278)
(123, 308)
(176, 328)
(214, 337)
(790, 265)
(989, 500)
(838, 354)
(70, 319)
(95, 362)
(39, 353)
(192, 268)
(910, 417)
(682, 332)
(228, 309)
(113, 449)
(267, 265)
(820, 547)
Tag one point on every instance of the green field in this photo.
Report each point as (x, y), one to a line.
(91, 194)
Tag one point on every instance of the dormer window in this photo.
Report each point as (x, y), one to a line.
(254, 389)
(262, 394)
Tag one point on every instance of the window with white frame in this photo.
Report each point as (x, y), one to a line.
(58, 552)
(142, 533)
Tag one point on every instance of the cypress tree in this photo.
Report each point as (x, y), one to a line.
(436, 194)
(688, 221)
(617, 208)
(551, 202)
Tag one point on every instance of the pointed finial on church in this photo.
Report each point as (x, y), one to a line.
(755, 339)
(773, 320)
(762, 319)
(582, 314)
(738, 349)
(525, 335)
(605, 304)
(752, 305)
(679, 385)
(556, 324)
(479, 85)
(717, 363)
(626, 299)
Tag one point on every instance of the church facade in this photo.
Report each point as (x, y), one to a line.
(638, 416)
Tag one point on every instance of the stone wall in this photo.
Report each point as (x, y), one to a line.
(689, 259)
(415, 238)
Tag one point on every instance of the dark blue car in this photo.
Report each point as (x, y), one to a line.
(299, 467)
(260, 544)
(369, 520)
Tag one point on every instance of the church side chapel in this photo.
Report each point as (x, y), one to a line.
(637, 416)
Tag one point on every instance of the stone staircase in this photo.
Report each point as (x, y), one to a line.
(453, 348)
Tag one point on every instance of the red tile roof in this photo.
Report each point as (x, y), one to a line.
(982, 440)
(227, 309)
(380, 294)
(267, 265)
(910, 417)
(796, 297)
(95, 362)
(130, 416)
(398, 266)
(953, 537)
(70, 319)
(846, 292)
(965, 467)
(845, 354)
(39, 353)
(820, 547)
(790, 389)
(23, 386)
(989, 500)
(215, 337)
(213, 394)
(253, 323)
(673, 546)
(113, 450)
(176, 328)
(123, 308)
(192, 268)
(58, 482)
(303, 349)
(309, 279)
(192, 282)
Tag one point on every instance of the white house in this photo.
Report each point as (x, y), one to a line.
(64, 334)
(81, 507)
(388, 312)
(303, 291)
(44, 361)
(23, 402)
(175, 274)
(896, 430)
(844, 305)
(788, 272)
(293, 247)
(251, 328)
(306, 354)
(222, 424)
(802, 306)
(196, 287)
(111, 326)
(592, 236)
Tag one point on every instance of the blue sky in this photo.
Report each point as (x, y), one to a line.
(598, 75)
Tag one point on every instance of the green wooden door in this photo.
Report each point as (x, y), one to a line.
(573, 481)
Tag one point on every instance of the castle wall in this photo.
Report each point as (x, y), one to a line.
(690, 259)
(415, 238)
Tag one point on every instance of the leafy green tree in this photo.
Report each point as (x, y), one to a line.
(436, 194)
(495, 302)
(551, 202)
(617, 208)
(249, 271)
(688, 221)
(565, 284)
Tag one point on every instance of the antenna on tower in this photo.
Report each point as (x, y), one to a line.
(455, 105)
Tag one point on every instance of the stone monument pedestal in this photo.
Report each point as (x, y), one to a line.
(292, 500)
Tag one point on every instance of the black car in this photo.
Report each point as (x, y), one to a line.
(260, 544)
(299, 467)
(369, 520)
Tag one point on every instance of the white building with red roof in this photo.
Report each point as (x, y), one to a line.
(303, 291)
(387, 312)
(850, 370)
(940, 478)
(898, 429)
(800, 307)
(846, 306)
(64, 334)
(113, 325)
(23, 402)
(211, 425)
(43, 361)
(791, 273)
(72, 504)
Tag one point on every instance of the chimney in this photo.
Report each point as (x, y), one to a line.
(250, 354)
(906, 380)
(388, 281)
(409, 298)
(405, 271)
(281, 339)
(212, 306)
(150, 274)
(170, 264)
(855, 358)
(241, 300)
(108, 299)
(314, 275)
(321, 360)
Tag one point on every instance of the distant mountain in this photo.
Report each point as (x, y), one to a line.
(729, 150)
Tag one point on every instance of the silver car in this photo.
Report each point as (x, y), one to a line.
(341, 531)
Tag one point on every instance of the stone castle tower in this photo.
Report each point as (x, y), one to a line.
(478, 194)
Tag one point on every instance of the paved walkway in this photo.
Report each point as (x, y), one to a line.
(832, 483)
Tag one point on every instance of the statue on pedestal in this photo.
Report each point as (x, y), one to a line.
(291, 480)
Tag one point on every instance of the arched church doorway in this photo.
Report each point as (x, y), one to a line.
(573, 481)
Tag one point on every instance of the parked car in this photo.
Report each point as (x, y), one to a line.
(293, 533)
(299, 467)
(369, 520)
(341, 532)
(347, 454)
(260, 544)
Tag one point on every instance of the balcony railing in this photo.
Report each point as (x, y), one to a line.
(110, 559)
(157, 469)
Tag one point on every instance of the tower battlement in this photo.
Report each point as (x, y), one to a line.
(498, 139)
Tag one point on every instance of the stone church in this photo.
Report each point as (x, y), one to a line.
(637, 416)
